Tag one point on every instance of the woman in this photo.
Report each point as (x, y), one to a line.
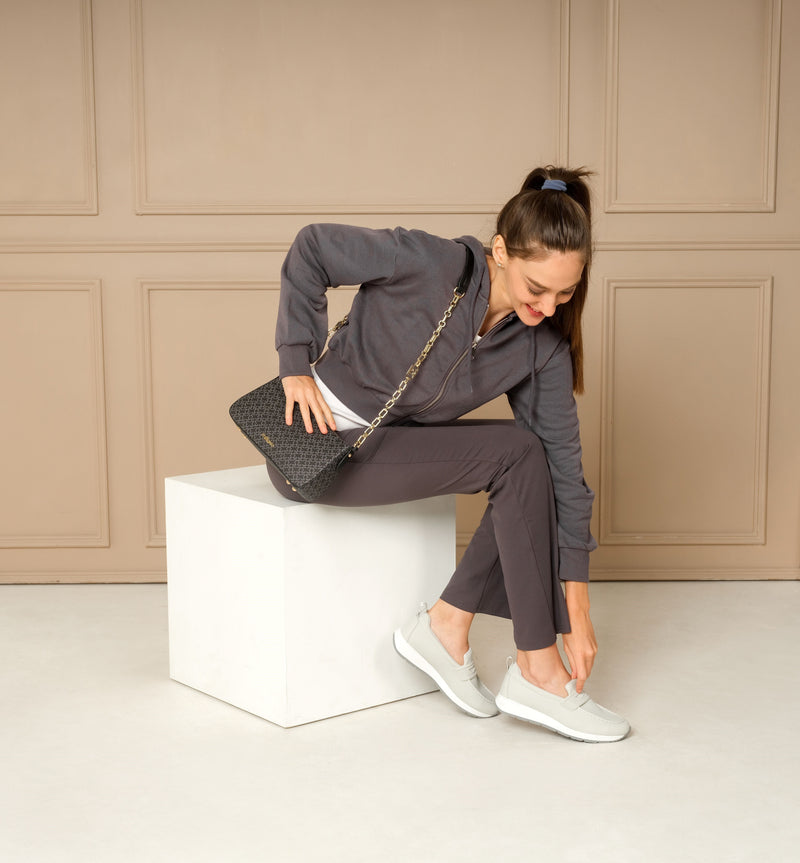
(517, 330)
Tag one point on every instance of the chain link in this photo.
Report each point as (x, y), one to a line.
(410, 374)
(337, 327)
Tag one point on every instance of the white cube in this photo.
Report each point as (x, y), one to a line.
(287, 609)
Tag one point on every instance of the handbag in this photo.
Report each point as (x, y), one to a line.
(309, 461)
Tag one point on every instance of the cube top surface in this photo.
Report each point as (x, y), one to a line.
(251, 483)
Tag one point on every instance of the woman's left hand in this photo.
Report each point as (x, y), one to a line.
(580, 645)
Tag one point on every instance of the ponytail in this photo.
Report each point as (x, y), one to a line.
(557, 218)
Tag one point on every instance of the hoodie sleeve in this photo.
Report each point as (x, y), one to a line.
(547, 407)
(324, 256)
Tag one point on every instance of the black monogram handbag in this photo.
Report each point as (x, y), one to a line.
(307, 461)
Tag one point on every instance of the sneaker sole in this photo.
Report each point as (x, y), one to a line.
(536, 717)
(416, 659)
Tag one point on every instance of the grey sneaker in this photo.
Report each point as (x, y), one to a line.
(575, 716)
(417, 643)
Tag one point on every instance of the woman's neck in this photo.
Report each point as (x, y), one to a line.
(499, 306)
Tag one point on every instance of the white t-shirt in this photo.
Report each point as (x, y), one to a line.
(345, 418)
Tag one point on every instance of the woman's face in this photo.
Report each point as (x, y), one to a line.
(535, 288)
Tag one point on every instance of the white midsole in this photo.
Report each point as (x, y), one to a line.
(407, 651)
(529, 714)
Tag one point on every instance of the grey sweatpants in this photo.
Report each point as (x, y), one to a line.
(510, 568)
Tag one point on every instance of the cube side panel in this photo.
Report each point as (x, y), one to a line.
(225, 586)
(353, 575)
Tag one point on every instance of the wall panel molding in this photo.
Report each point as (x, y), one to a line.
(153, 490)
(43, 576)
(745, 574)
(99, 538)
(611, 534)
(147, 202)
(87, 205)
(754, 244)
(91, 247)
(564, 80)
(597, 574)
(463, 538)
(614, 203)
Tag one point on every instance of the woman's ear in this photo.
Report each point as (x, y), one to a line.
(499, 251)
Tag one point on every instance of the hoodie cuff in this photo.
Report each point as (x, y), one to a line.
(573, 564)
(293, 360)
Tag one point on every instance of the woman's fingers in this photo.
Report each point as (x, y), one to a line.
(580, 646)
(302, 390)
(299, 391)
(305, 413)
(289, 411)
(577, 664)
(317, 407)
(324, 414)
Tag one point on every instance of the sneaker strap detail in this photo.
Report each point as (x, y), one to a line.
(575, 699)
(468, 670)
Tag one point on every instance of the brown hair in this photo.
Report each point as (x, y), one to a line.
(536, 222)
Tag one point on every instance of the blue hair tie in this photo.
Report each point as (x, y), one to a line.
(557, 185)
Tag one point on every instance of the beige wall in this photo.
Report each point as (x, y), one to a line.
(158, 156)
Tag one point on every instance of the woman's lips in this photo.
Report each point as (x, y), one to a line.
(533, 312)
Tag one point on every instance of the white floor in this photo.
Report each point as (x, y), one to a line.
(103, 758)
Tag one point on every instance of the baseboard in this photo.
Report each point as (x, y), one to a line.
(154, 577)
(749, 574)
(600, 574)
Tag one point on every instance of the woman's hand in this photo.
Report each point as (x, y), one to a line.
(580, 645)
(303, 391)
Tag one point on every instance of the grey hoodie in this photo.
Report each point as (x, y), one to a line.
(406, 282)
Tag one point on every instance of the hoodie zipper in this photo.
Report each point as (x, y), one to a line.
(477, 340)
(440, 393)
(470, 350)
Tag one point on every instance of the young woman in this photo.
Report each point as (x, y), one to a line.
(517, 331)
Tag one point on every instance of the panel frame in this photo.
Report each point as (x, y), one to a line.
(613, 203)
(89, 205)
(757, 533)
(101, 538)
(153, 490)
(83, 247)
(146, 204)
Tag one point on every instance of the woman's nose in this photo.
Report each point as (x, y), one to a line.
(548, 306)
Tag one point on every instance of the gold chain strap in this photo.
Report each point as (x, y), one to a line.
(338, 326)
(410, 374)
